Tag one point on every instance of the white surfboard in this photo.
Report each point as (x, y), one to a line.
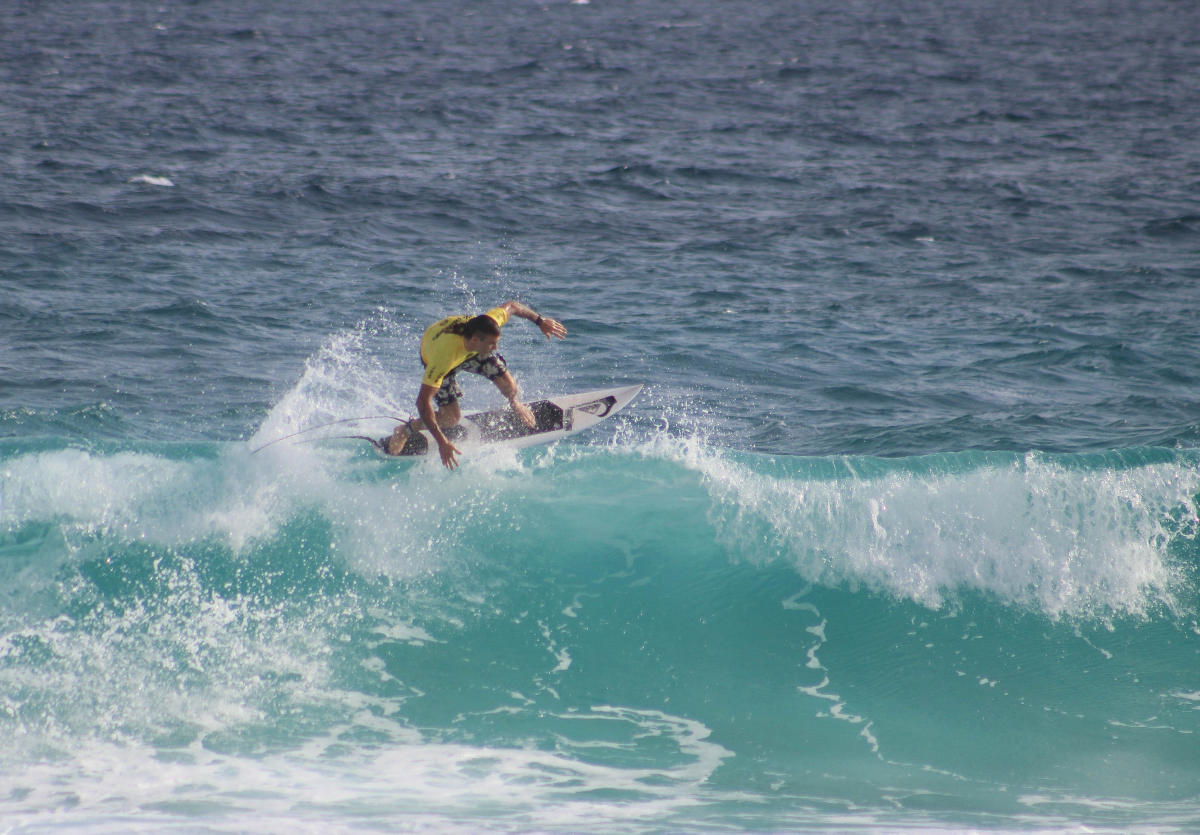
(557, 417)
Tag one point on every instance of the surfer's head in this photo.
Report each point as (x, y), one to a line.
(480, 325)
(481, 334)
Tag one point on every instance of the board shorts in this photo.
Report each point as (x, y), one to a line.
(491, 367)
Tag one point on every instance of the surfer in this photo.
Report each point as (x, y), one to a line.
(464, 343)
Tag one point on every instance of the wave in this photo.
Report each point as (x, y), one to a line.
(1065, 535)
(591, 634)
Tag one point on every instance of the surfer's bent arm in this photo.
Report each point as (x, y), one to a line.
(507, 384)
(550, 327)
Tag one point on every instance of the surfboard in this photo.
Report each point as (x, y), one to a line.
(556, 418)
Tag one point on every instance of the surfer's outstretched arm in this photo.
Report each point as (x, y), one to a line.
(550, 327)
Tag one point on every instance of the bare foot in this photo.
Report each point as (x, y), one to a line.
(395, 444)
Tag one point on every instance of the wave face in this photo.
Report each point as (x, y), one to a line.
(653, 634)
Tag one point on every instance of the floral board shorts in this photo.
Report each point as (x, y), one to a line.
(491, 367)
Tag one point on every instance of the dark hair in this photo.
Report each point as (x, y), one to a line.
(482, 324)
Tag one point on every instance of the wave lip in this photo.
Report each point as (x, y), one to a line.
(1066, 536)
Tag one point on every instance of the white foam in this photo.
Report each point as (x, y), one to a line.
(1068, 541)
(141, 497)
(152, 180)
(185, 661)
(431, 786)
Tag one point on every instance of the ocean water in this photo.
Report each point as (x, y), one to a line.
(901, 535)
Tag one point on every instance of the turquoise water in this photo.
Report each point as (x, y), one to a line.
(901, 534)
(647, 635)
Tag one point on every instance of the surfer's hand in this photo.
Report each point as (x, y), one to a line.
(449, 453)
(524, 413)
(552, 327)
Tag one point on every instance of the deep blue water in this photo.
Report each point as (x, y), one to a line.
(901, 534)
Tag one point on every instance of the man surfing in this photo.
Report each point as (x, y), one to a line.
(464, 343)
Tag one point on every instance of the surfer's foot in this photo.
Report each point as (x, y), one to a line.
(395, 444)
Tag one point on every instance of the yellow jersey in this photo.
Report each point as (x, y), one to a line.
(443, 352)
